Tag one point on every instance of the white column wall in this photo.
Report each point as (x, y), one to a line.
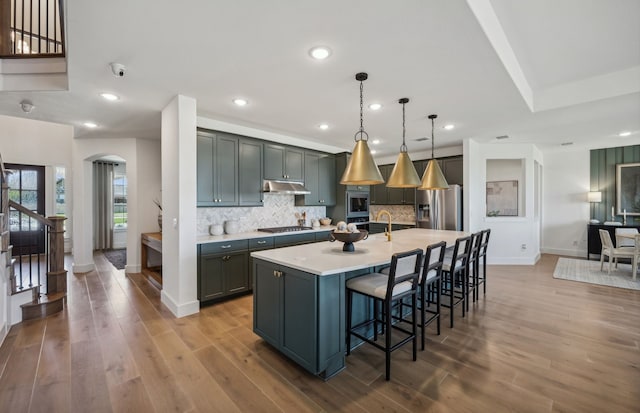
(179, 257)
(508, 234)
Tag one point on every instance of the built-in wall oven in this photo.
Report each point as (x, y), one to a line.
(357, 204)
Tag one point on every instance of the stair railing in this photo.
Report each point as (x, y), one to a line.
(32, 28)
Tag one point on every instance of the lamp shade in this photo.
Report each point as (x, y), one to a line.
(361, 169)
(594, 196)
(433, 178)
(404, 174)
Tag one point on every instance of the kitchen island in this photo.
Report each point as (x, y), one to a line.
(299, 293)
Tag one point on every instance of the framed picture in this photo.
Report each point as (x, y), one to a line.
(628, 188)
(502, 199)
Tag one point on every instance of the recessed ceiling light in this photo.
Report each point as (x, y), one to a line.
(624, 134)
(373, 151)
(90, 125)
(449, 126)
(240, 102)
(375, 141)
(323, 126)
(109, 96)
(320, 52)
(375, 106)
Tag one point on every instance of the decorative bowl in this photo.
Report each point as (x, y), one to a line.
(348, 238)
(325, 221)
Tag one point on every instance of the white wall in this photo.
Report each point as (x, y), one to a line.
(508, 234)
(565, 208)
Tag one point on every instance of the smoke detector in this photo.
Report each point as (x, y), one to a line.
(26, 106)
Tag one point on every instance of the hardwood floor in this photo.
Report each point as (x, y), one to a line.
(533, 344)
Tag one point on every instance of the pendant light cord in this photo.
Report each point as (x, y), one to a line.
(403, 148)
(361, 105)
(432, 138)
(361, 135)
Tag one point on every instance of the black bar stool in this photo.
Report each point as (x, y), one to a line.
(482, 255)
(402, 282)
(430, 286)
(474, 263)
(455, 276)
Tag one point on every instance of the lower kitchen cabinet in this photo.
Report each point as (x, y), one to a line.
(289, 315)
(294, 239)
(377, 227)
(222, 275)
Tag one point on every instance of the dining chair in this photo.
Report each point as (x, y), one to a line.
(636, 256)
(612, 252)
(401, 283)
(455, 276)
(625, 241)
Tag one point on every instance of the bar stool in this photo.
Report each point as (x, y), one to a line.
(402, 282)
(482, 255)
(430, 286)
(455, 276)
(474, 263)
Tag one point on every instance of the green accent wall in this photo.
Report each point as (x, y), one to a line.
(603, 178)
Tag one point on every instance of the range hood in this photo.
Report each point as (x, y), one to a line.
(284, 187)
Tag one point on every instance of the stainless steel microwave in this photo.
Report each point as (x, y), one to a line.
(357, 204)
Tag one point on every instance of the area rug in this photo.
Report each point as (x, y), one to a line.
(116, 257)
(589, 272)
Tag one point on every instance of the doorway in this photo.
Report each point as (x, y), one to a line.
(26, 187)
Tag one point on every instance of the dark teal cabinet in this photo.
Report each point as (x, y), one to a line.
(301, 315)
(379, 195)
(294, 239)
(223, 270)
(217, 169)
(319, 179)
(283, 162)
(250, 173)
(452, 169)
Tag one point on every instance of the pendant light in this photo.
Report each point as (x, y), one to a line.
(433, 177)
(361, 169)
(404, 174)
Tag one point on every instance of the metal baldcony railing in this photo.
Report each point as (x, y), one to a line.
(31, 28)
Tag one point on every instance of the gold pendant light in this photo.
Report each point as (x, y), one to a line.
(404, 174)
(433, 177)
(361, 169)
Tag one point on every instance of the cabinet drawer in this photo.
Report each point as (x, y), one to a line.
(323, 236)
(223, 247)
(295, 239)
(260, 243)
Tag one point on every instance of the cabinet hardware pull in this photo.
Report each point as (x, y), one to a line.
(262, 242)
(224, 247)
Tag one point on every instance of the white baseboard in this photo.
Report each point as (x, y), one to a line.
(80, 268)
(179, 310)
(513, 260)
(4, 332)
(130, 269)
(566, 252)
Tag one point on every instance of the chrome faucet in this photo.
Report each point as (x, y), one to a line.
(386, 232)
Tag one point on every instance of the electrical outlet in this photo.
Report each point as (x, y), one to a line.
(575, 243)
(523, 247)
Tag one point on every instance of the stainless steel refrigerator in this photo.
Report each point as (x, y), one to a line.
(441, 209)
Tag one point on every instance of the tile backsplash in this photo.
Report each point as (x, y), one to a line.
(278, 210)
(398, 212)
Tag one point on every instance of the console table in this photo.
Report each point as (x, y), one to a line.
(151, 255)
(594, 246)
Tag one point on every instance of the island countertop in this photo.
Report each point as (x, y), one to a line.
(327, 258)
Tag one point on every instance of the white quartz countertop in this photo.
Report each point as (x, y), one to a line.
(203, 239)
(326, 258)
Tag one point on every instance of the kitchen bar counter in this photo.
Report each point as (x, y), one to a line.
(327, 258)
(299, 294)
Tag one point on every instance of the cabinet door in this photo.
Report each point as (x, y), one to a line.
(409, 196)
(267, 308)
(226, 170)
(236, 272)
(375, 228)
(298, 335)
(294, 164)
(211, 277)
(379, 192)
(273, 161)
(452, 170)
(327, 180)
(311, 169)
(250, 173)
(204, 168)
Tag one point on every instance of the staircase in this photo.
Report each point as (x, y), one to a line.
(37, 298)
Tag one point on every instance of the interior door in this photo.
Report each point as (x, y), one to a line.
(26, 187)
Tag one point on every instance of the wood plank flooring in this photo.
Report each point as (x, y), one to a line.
(532, 344)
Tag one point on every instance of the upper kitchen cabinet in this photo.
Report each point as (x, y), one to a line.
(283, 162)
(217, 169)
(379, 193)
(452, 170)
(319, 179)
(250, 173)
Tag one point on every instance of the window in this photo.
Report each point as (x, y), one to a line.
(119, 199)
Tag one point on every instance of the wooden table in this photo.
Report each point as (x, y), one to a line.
(151, 255)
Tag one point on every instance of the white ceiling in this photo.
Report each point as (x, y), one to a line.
(482, 65)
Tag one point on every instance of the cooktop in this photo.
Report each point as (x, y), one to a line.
(284, 229)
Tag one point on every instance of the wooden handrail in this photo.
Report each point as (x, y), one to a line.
(30, 213)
